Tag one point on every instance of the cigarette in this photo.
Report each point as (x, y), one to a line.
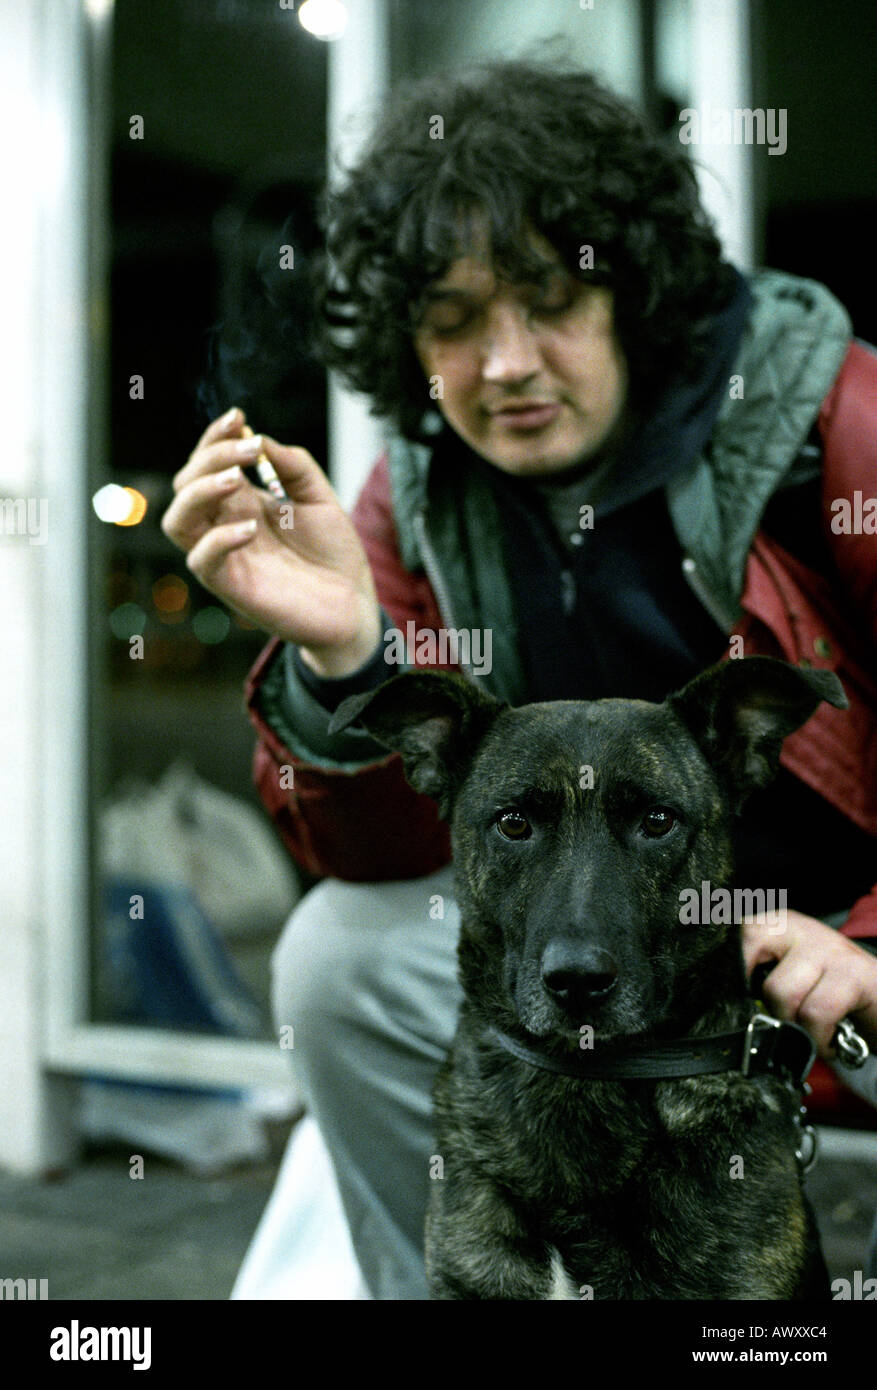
(267, 473)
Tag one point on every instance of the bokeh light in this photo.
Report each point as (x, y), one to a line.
(111, 503)
(170, 594)
(138, 505)
(325, 19)
(126, 621)
(123, 506)
(211, 625)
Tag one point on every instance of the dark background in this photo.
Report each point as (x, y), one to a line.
(818, 201)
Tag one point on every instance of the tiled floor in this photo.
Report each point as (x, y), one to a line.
(96, 1234)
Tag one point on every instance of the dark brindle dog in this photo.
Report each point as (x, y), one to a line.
(565, 1185)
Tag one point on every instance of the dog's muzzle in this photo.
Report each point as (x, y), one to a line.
(576, 976)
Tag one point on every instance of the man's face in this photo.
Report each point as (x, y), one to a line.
(533, 380)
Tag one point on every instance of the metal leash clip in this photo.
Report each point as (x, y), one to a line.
(852, 1049)
(806, 1151)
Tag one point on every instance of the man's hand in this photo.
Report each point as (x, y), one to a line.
(820, 978)
(306, 580)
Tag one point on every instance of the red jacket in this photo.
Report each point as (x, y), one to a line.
(370, 825)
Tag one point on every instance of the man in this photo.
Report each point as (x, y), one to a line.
(616, 456)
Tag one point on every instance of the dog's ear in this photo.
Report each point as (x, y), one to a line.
(741, 711)
(435, 721)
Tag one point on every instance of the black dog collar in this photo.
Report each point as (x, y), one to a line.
(768, 1047)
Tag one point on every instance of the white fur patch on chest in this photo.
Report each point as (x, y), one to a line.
(560, 1283)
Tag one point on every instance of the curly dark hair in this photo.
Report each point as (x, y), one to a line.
(523, 145)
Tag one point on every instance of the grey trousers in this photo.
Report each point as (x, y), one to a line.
(366, 975)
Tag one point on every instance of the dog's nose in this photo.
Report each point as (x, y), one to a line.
(577, 975)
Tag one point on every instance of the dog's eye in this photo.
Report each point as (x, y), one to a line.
(513, 826)
(657, 822)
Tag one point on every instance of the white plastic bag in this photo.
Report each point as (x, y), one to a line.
(185, 832)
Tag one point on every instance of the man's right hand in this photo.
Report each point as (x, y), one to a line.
(308, 583)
